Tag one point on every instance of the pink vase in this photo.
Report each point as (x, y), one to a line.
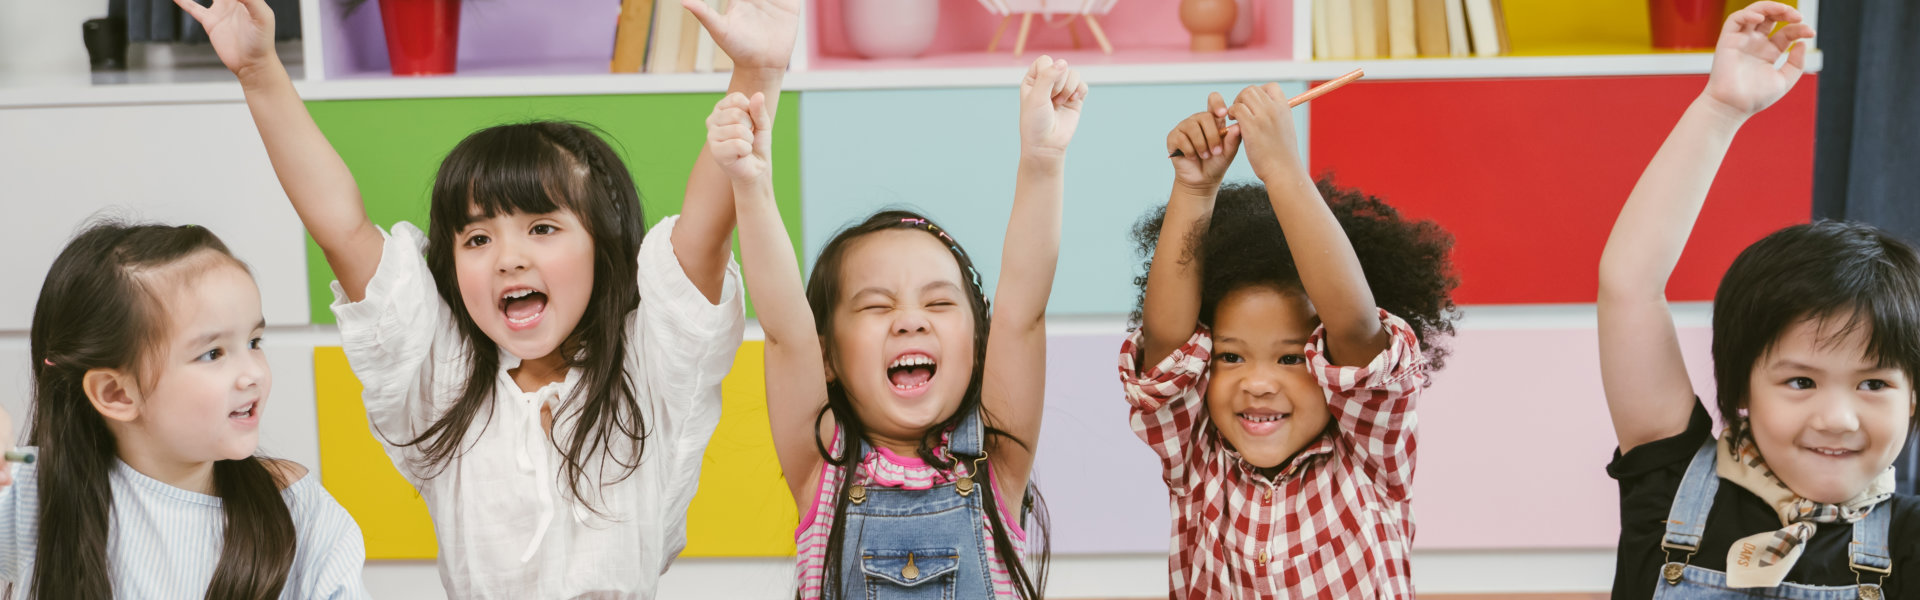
(890, 28)
(1243, 20)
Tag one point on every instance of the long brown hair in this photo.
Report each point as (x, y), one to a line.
(823, 296)
(97, 311)
(537, 168)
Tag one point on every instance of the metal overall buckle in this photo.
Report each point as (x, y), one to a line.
(964, 485)
(1868, 591)
(1672, 571)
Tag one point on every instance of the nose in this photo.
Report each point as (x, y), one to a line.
(254, 370)
(1835, 413)
(909, 322)
(1259, 385)
(509, 256)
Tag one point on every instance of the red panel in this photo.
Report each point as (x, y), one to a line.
(1529, 174)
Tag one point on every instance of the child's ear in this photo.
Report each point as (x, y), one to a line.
(113, 392)
(826, 360)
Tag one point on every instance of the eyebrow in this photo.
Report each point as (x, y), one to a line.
(209, 337)
(1234, 340)
(889, 293)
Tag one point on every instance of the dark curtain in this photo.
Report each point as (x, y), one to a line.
(1866, 163)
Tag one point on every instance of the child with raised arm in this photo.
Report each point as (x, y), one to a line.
(547, 374)
(1816, 342)
(1285, 334)
(907, 414)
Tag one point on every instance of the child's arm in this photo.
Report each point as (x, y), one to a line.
(1171, 309)
(316, 180)
(739, 137)
(1329, 270)
(1051, 96)
(1641, 368)
(758, 35)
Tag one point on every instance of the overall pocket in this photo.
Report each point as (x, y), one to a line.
(921, 574)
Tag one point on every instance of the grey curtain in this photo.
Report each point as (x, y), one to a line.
(1866, 163)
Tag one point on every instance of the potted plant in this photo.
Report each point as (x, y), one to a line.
(423, 36)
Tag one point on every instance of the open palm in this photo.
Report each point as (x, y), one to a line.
(1744, 77)
(754, 33)
(241, 30)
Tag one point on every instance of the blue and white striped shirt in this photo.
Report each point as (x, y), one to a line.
(164, 542)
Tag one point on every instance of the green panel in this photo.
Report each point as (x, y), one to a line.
(394, 147)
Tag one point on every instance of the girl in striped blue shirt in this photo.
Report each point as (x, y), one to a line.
(148, 388)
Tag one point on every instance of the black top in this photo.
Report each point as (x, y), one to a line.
(1649, 477)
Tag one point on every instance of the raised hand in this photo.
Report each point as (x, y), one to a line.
(740, 136)
(1206, 146)
(756, 34)
(1266, 127)
(1744, 78)
(1051, 95)
(241, 31)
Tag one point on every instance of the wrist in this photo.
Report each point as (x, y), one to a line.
(1719, 113)
(1285, 172)
(266, 73)
(747, 79)
(1206, 191)
(1043, 161)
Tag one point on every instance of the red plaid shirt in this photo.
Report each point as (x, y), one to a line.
(1333, 524)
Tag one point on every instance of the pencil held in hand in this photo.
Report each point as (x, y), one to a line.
(1316, 92)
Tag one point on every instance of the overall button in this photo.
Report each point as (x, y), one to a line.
(858, 494)
(910, 572)
(964, 485)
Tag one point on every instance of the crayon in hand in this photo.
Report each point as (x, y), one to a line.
(1308, 95)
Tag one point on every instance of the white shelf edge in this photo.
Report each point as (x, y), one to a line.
(931, 78)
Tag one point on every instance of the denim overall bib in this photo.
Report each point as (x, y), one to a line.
(1868, 555)
(914, 544)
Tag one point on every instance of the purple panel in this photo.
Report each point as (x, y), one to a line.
(1102, 483)
(493, 34)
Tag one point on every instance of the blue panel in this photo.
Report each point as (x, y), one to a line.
(952, 154)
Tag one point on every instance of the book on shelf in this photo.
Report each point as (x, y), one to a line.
(1322, 47)
(630, 37)
(1500, 26)
(1457, 43)
(1341, 39)
(690, 30)
(1366, 36)
(1483, 27)
(663, 48)
(1430, 18)
(1402, 40)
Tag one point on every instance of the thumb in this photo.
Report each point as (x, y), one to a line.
(1216, 104)
(259, 12)
(757, 108)
(705, 14)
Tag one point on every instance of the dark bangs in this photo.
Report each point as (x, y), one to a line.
(1822, 271)
(505, 170)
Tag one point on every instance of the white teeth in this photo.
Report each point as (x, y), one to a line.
(911, 360)
(518, 294)
(1262, 419)
(247, 412)
(1830, 452)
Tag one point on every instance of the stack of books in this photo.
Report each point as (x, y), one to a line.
(659, 36)
(1357, 29)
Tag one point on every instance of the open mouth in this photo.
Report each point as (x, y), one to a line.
(246, 412)
(912, 372)
(523, 307)
(1262, 421)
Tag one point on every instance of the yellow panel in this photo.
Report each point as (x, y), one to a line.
(355, 469)
(1563, 27)
(743, 508)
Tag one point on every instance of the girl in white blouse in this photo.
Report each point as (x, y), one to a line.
(546, 380)
(148, 389)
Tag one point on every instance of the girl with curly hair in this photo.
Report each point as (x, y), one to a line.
(1287, 331)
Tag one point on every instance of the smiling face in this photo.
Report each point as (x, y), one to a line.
(525, 278)
(1827, 418)
(1261, 396)
(903, 334)
(209, 377)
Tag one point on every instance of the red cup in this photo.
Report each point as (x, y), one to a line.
(1686, 24)
(423, 36)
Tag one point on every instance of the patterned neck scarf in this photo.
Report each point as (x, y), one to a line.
(1763, 559)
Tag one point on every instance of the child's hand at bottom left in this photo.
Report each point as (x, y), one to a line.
(740, 137)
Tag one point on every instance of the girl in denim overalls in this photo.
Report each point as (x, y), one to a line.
(1816, 343)
(905, 414)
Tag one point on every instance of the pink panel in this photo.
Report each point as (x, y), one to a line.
(966, 27)
(1515, 440)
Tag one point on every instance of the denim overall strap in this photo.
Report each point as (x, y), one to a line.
(1687, 520)
(1870, 557)
(966, 439)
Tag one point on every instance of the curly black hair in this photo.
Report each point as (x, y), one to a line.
(1242, 245)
